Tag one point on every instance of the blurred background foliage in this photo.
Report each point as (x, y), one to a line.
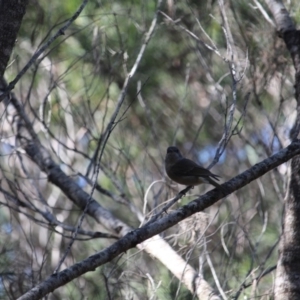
(181, 95)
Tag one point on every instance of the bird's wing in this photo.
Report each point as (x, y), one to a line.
(189, 168)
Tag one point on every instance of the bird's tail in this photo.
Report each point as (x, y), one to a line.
(214, 183)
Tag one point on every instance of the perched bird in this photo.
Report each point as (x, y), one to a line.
(185, 171)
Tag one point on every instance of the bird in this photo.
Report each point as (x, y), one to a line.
(185, 171)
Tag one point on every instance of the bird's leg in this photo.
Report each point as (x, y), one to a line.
(184, 191)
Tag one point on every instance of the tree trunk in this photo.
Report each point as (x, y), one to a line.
(11, 15)
(287, 284)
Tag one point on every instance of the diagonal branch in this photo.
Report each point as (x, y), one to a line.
(133, 238)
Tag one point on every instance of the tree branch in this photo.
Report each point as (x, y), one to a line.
(139, 235)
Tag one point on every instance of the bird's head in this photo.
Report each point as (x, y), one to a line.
(173, 150)
(173, 154)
